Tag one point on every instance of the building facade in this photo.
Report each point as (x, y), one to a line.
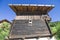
(31, 21)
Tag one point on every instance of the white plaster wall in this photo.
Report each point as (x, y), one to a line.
(43, 39)
(31, 39)
(53, 38)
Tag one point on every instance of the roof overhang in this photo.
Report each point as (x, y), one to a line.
(31, 8)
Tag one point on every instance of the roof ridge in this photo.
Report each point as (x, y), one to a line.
(30, 5)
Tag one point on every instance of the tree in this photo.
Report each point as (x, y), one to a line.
(4, 30)
(55, 28)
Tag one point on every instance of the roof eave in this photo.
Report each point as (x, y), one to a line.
(30, 5)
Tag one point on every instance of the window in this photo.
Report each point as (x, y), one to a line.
(30, 23)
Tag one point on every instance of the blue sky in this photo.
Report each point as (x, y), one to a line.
(7, 13)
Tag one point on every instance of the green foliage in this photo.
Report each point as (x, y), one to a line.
(55, 28)
(4, 30)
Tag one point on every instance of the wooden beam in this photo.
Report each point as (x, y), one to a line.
(15, 8)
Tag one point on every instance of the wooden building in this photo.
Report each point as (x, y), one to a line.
(31, 21)
(5, 20)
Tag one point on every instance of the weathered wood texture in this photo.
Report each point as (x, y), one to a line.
(23, 29)
(27, 17)
(35, 9)
(33, 17)
(37, 27)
